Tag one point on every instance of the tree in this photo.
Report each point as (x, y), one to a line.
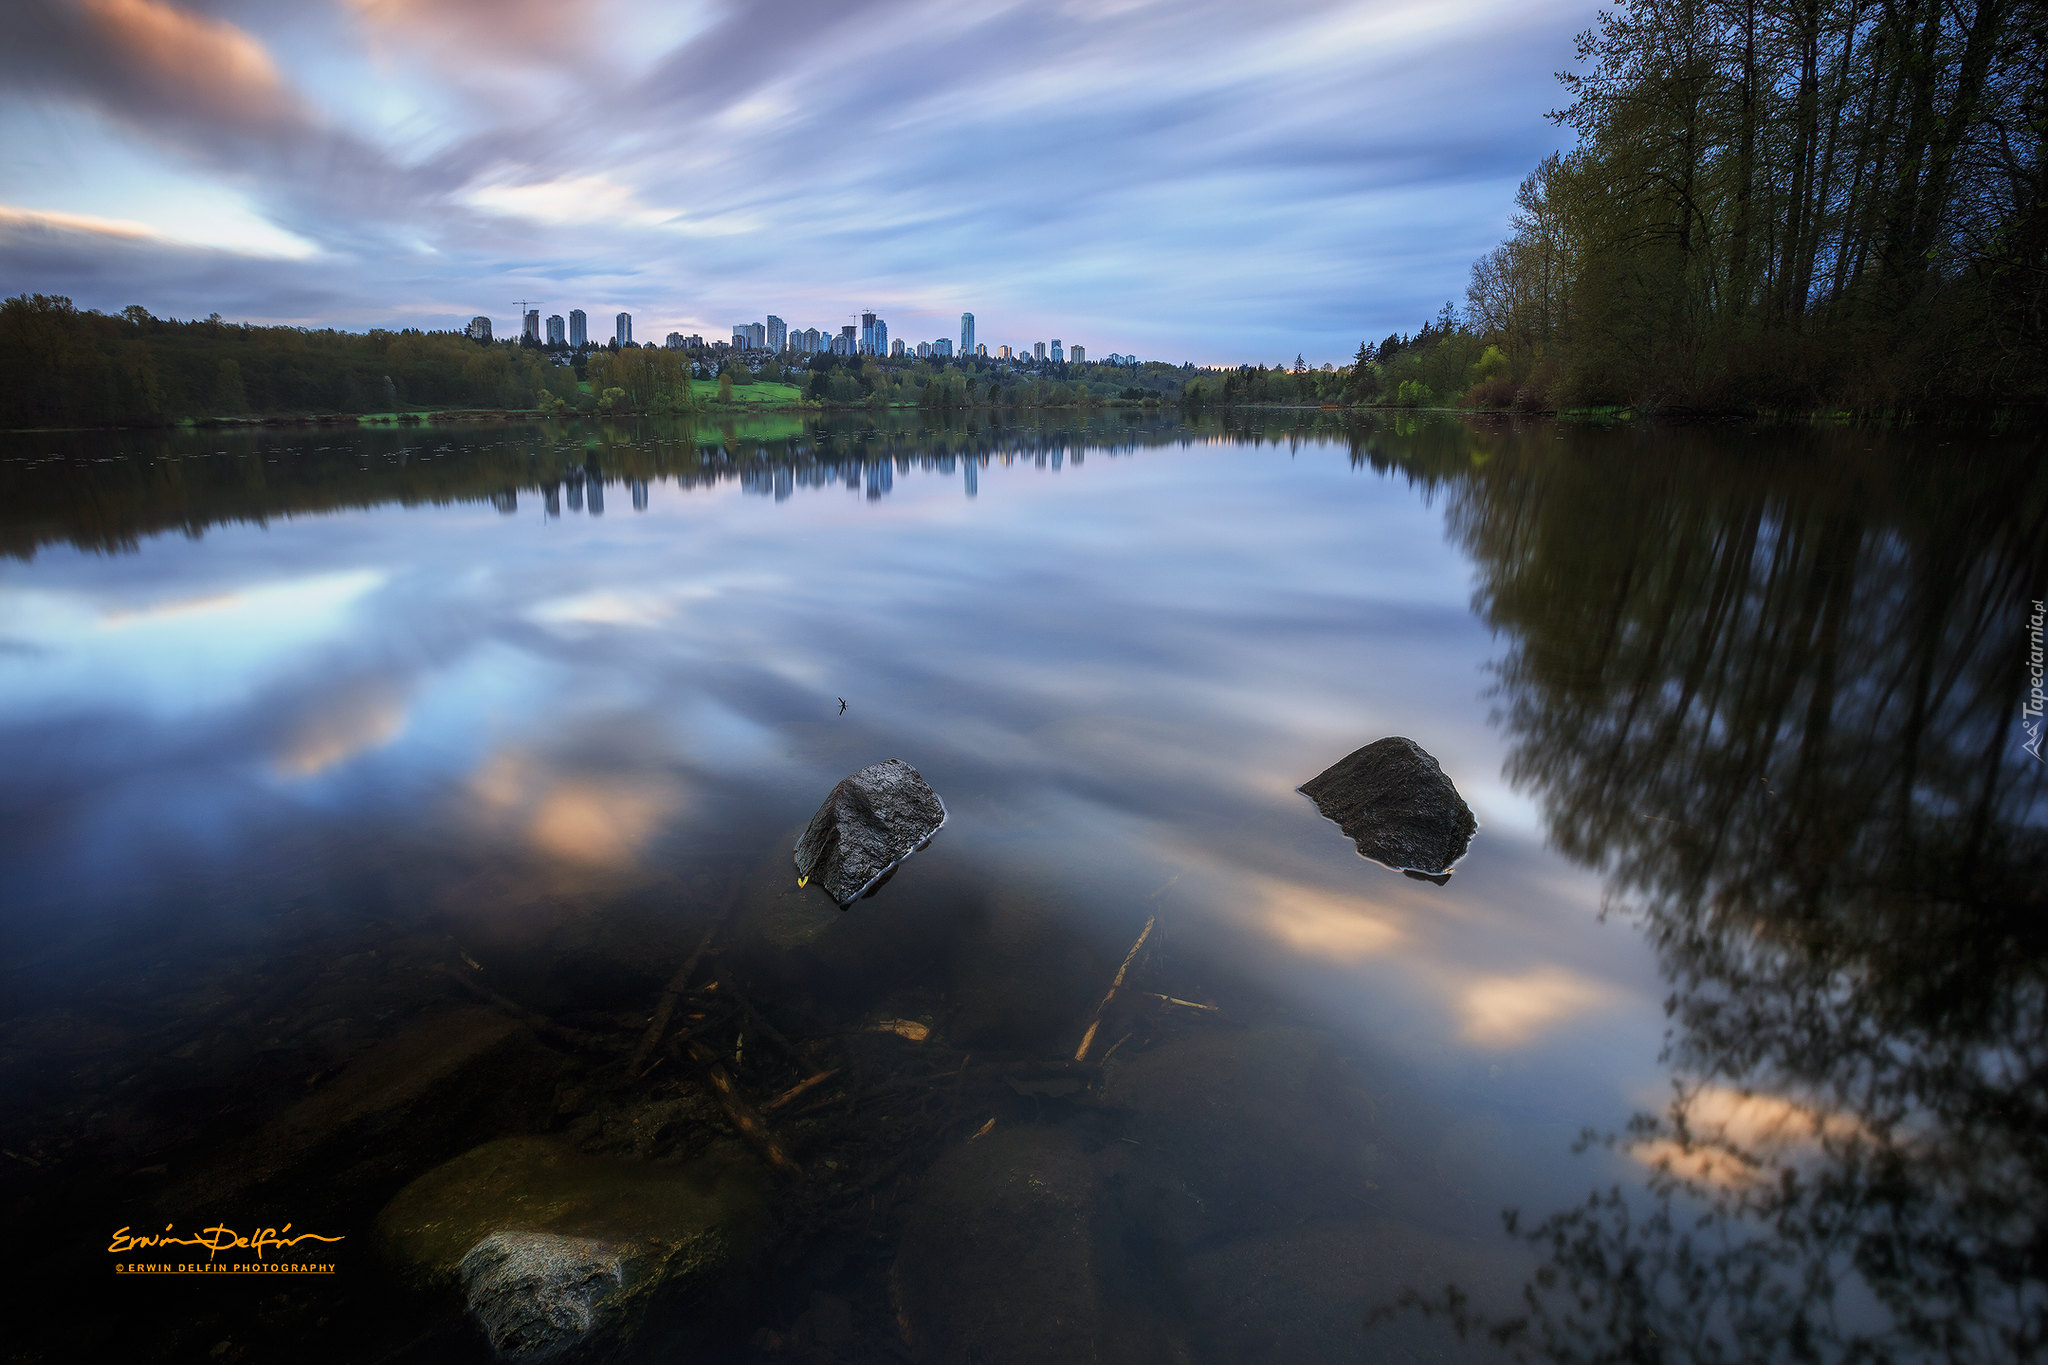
(1787, 203)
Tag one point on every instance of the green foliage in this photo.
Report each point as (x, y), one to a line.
(650, 379)
(1796, 204)
(63, 367)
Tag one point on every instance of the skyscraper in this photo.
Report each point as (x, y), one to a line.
(896, 347)
(624, 333)
(556, 336)
(579, 335)
(967, 334)
(881, 337)
(867, 333)
(479, 328)
(1038, 351)
(1080, 355)
(1002, 353)
(778, 334)
(982, 350)
(924, 350)
(529, 330)
(1055, 350)
(814, 340)
(943, 346)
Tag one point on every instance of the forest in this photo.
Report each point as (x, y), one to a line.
(60, 366)
(1772, 205)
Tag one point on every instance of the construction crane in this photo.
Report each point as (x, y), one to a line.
(522, 305)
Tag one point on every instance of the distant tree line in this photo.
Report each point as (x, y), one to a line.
(60, 366)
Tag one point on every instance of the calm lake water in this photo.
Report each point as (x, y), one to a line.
(364, 793)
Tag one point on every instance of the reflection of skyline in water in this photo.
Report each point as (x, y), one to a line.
(1757, 697)
(64, 486)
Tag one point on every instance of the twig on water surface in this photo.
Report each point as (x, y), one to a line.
(1176, 1000)
(1088, 1039)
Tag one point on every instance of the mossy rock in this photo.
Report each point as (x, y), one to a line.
(700, 1211)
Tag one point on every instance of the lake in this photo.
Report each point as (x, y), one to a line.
(397, 846)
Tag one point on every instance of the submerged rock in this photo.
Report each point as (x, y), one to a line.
(539, 1295)
(560, 1253)
(1000, 1256)
(871, 822)
(1393, 801)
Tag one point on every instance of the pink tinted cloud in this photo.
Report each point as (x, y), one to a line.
(204, 66)
(519, 31)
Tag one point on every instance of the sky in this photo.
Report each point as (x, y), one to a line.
(1179, 179)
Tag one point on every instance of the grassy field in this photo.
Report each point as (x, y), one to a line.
(758, 425)
(705, 391)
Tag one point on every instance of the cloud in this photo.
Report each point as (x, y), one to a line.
(164, 70)
(1201, 181)
(170, 57)
(11, 217)
(570, 200)
(528, 27)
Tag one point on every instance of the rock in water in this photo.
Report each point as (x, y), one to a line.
(872, 821)
(563, 1255)
(1395, 803)
(539, 1295)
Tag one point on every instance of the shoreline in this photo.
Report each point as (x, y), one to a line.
(1999, 418)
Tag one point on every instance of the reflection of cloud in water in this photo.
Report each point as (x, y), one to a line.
(200, 651)
(1320, 924)
(264, 604)
(1509, 1011)
(604, 608)
(189, 606)
(594, 819)
(1733, 1138)
(1425, 943)
(646, 606)
(367, 718)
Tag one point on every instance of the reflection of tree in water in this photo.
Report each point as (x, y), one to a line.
(107, 490)
(1777, 704)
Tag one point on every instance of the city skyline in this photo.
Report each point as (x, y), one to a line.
(776, 336)
(363, 164)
